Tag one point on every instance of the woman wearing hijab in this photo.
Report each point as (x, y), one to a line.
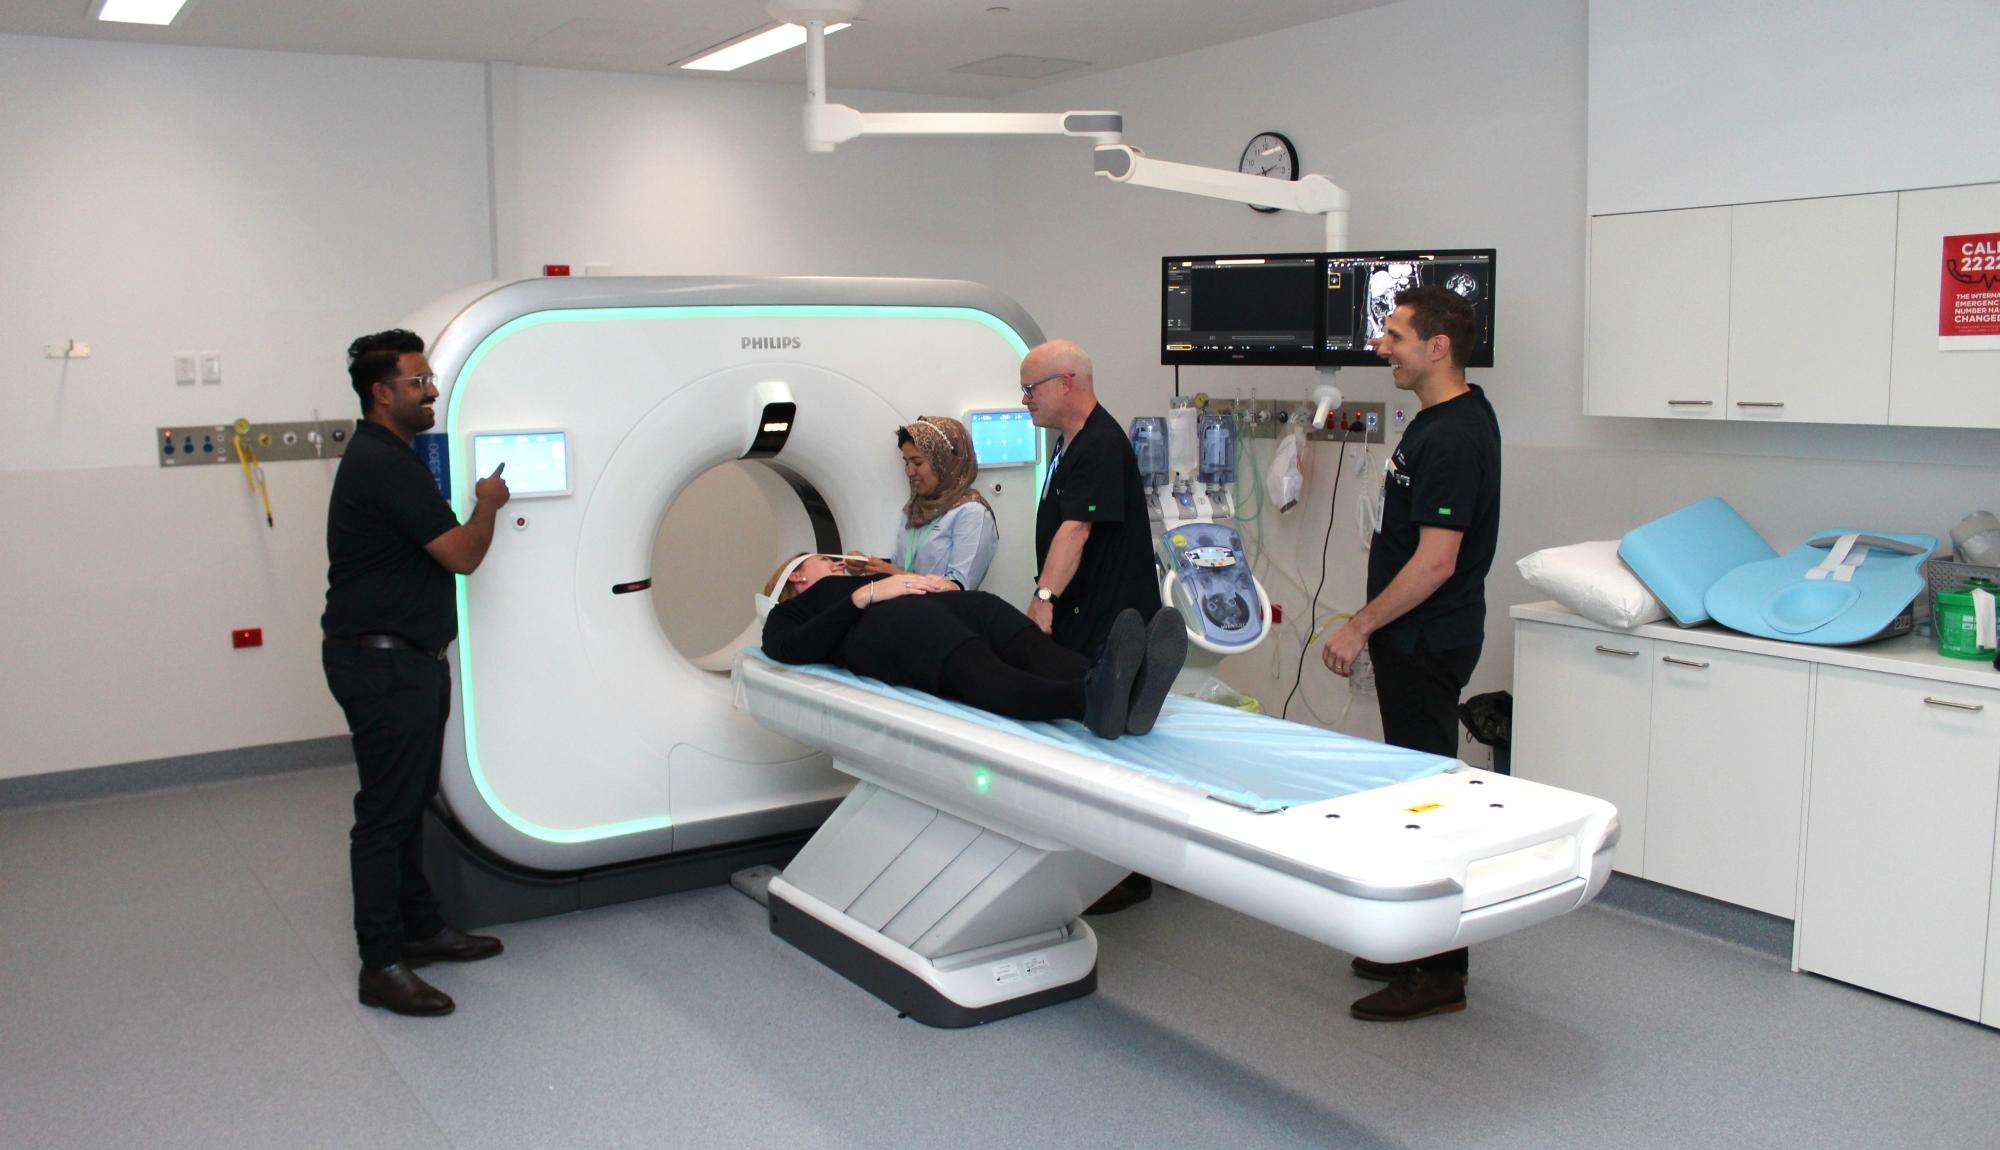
(947, 528)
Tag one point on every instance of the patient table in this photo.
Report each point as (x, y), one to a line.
(950, 881)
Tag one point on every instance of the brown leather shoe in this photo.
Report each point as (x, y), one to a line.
(1131, 890)
(397, 988)
(451, 945)
(1415, 994)
(1389, 971)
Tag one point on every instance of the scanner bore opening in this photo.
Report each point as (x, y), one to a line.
(719, 540)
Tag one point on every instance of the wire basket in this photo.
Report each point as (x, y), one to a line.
(1942, 575)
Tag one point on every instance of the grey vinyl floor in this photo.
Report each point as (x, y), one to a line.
(177, 970)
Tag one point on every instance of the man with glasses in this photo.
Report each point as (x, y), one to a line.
(1093, 540)
(393, 546)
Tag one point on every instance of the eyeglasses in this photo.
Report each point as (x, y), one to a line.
(427, 379)
(1028, 389)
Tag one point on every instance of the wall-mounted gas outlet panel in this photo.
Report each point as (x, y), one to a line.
(270, 442)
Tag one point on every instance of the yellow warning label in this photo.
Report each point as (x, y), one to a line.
(1420, 808)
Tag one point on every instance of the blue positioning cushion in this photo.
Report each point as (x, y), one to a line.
(1680, 556)
(1256, 761)
(1779, 599)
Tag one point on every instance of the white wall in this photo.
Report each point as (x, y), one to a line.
(1698, 102)
(271, 207)
(1474, 137)
(152, 200)
(667, 176)
(158, 199)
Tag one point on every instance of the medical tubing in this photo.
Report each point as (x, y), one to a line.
(1333, 504)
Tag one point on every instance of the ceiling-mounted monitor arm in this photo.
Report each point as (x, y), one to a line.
(830, 125)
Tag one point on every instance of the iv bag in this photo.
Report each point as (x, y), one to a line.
(1284, 480)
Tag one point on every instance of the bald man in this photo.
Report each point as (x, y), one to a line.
(1093, 540)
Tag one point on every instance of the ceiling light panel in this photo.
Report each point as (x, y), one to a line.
(752, 48)
(161, 12)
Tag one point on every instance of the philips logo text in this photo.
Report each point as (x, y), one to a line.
(770, 343)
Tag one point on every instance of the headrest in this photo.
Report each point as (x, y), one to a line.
(766, 602)
(1680, 556)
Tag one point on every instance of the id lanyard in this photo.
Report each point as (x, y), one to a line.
(914, 539)
(1055, 461)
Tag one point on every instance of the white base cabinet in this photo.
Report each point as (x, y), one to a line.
(1726, 774)
(1575, 708)
(1853, 790)
(1899, 860)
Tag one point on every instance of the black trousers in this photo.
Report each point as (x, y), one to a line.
(1023, 675)
(396, 704)
(1418, 694)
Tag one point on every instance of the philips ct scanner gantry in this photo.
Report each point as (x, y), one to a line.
(961, 848)
(581, 738)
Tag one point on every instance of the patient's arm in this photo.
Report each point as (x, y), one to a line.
(809, 628)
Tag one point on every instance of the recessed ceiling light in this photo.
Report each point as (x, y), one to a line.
(160, 12)
(749, 49)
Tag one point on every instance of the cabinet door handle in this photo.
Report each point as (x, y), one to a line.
(1934, 701)
(1690, 403)
(1757, 403)
(1603, 650)
(1695, 663)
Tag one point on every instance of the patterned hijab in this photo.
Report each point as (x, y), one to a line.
(947, 446)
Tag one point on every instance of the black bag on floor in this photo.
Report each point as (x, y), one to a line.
(1489, 718)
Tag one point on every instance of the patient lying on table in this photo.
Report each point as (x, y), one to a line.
(922, 631)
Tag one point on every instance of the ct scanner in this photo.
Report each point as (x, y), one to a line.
(950, 880)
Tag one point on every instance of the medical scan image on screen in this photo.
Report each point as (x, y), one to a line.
(1361, 291)
(537, 461)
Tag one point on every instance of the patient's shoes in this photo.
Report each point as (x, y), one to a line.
(1166, 651)
(1107, 691)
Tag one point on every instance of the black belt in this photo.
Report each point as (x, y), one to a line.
(381, 643)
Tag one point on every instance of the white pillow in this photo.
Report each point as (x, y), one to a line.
(1590, 579)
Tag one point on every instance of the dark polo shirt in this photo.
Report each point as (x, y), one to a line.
(379, 578)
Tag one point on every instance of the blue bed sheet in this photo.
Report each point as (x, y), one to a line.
(1257, 761)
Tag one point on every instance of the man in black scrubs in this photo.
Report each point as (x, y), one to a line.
(1093, 540)
(1426, 615)
(393, 546)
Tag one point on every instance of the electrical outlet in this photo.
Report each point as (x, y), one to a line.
(211, 367)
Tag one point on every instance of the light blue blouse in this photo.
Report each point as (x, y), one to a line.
(958, 545)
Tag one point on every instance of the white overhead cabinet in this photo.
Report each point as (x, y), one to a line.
(1812, 286)
(1659, 314)
(1795, 311)
(1930, 387)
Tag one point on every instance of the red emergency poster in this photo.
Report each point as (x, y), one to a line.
(1969, 293)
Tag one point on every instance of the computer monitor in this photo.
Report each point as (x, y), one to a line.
(1247, 309)
(1360, 294)
(537, 461)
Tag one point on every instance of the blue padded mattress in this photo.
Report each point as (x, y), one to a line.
(1252, 760)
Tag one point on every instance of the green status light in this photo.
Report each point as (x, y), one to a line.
(982, 780)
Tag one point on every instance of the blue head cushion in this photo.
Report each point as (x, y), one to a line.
(1680, 556)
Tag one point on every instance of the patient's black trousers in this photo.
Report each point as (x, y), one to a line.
(1024, 675)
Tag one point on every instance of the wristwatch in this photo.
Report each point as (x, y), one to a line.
(1045, 595)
